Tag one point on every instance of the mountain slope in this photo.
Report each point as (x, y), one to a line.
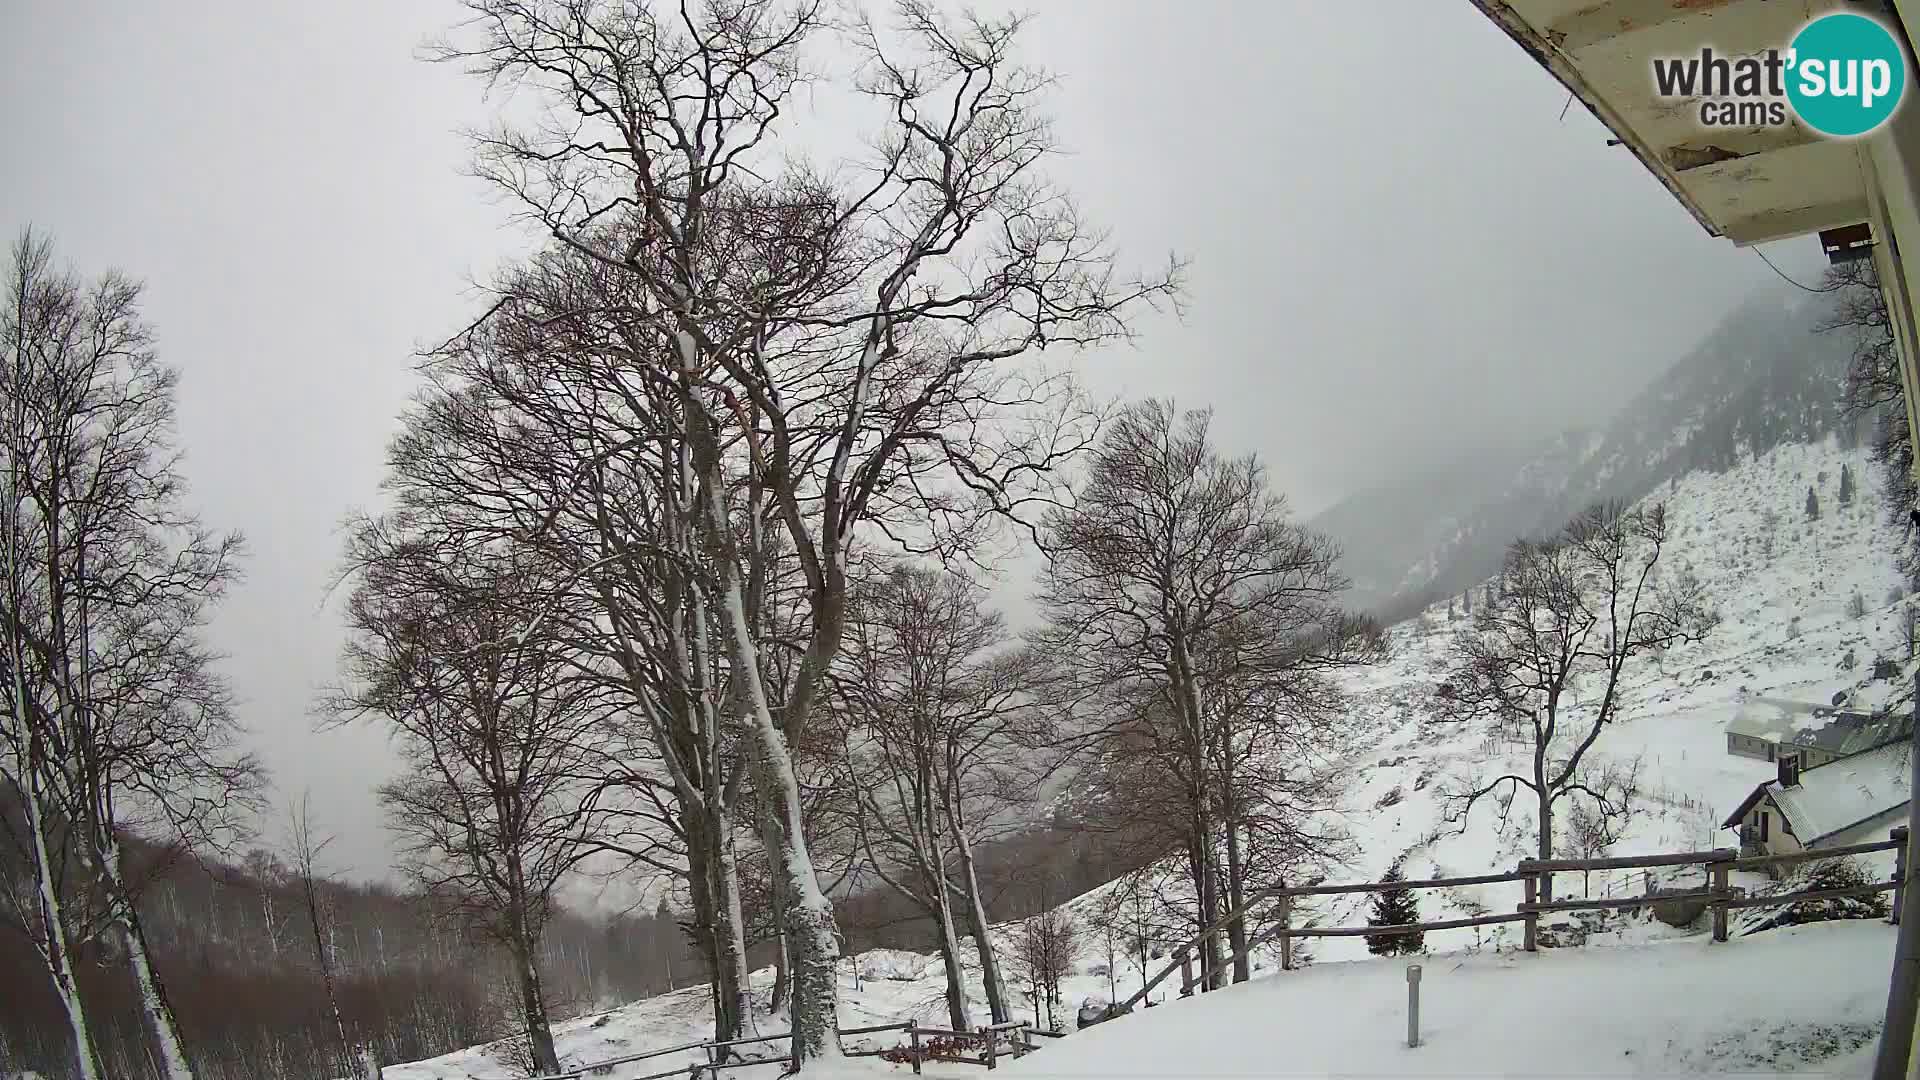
(1762, 378)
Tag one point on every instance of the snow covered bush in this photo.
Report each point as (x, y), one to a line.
(1832, 874)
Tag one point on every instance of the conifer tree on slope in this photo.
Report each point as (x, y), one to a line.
(1395, 907)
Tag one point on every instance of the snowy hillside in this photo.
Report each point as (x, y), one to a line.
(1782, 585)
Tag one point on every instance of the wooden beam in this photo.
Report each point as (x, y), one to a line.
(1798, 221)
(1604, 22)
(1809, 894)
(1754, 861)
(1389, 886)
(1626, 862)
(1733, 144)
(1619, 904)
(1389, 931)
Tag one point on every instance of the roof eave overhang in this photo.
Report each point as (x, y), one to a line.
(1749, 186)
(1544, 53)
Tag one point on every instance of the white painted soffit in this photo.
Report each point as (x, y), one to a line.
(1749, 185)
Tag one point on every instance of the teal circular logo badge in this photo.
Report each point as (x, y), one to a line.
(1846, 74)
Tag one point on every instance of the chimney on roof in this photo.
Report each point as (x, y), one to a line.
(1789, 770)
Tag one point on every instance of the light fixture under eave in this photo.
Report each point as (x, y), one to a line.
(1847, 243)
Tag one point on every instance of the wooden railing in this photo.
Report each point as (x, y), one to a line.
(1536, 877)
(1018, 1035)
(1719, 895)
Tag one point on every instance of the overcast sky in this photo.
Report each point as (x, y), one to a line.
(1400, 251)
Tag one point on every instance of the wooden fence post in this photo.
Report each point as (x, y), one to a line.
(1286, 939)
(993, 1039)
(1719, 902)
(1899, 835)
(1186, 971)
(1532, 939)
(913, 1035)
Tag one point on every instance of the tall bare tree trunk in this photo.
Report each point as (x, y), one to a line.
(310, 893)
(154, 1010)
(1236, 892)
(813, 940)
(814, 947)
(533, 1005)
(732, 979)
(55, 951)
(777, 901)
(957, 1011)
(707, 928)
(1545, 792)
(996, 986)
(54, 944)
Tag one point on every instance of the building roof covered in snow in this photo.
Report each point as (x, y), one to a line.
(1838, 795)
(1799, 723)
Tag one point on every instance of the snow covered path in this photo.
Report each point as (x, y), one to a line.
(1805, 999)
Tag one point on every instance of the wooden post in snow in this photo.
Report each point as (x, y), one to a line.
(1286, 923)
(1899, 836)
(1532, 940)
(1186, 971)
(1721, 893)
(913, 1036)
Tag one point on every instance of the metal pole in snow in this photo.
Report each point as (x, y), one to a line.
(1413, 1005)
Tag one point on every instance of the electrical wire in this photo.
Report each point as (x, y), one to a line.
(1783, 276)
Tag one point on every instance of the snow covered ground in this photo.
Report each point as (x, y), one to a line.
(1659, 1000)
(1806, 998)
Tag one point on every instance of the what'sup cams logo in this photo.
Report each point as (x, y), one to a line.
(1842, 75)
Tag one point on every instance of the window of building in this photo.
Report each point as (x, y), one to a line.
(1763, 824)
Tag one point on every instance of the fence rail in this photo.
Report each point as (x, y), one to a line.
(1019, 1037)
(1536, 875)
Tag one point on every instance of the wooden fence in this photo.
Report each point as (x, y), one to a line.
(1536, 876)
(1017, 1034)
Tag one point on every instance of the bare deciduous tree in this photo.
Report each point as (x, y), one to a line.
(305, 849)
(1180, 592)
(1548, 655)
(1046, 947)
(834, 347)
(450, 653)
(119, 719)
(937, 718)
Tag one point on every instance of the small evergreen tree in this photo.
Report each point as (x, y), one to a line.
(1813, 505)
(1846, 485)
(1394, 907)
(1450, 609)
(1466, 602)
